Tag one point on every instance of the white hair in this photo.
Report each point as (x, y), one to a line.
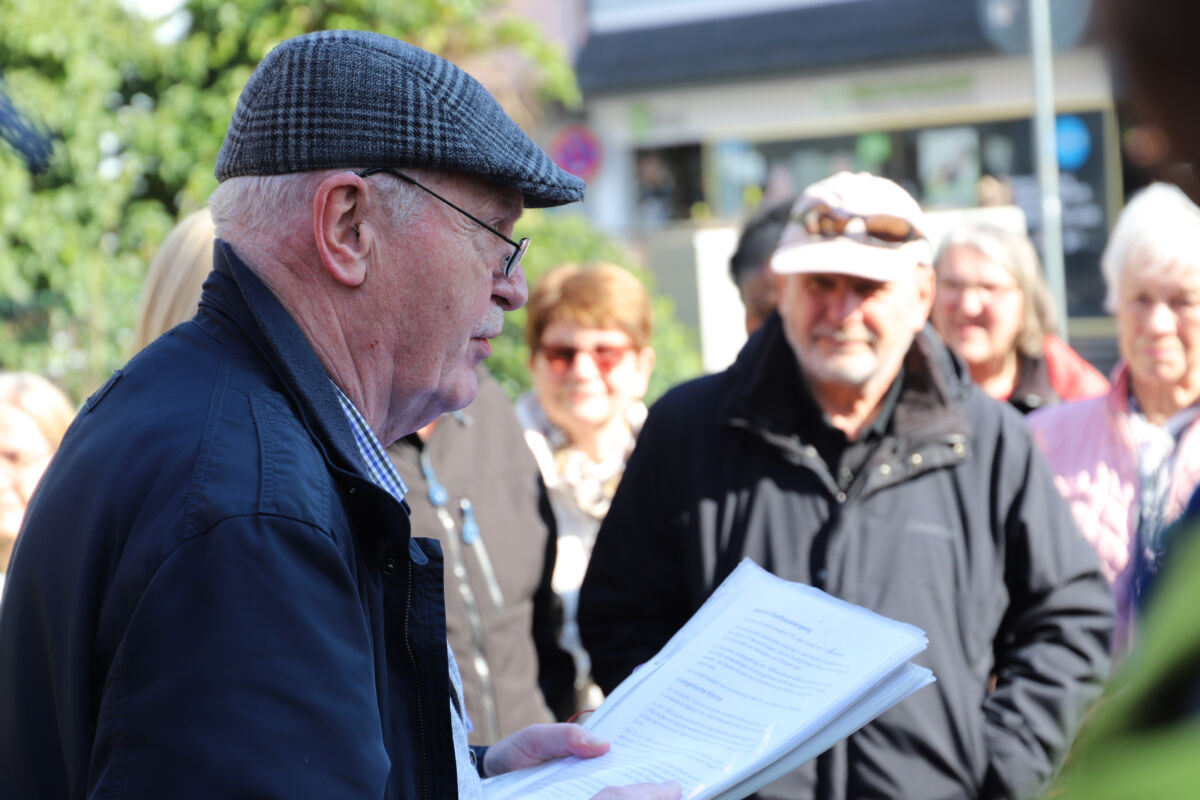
(257, 212)
(1158, 228)
(256, 206)
(1016, 254)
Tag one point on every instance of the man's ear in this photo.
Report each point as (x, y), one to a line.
(337, 217)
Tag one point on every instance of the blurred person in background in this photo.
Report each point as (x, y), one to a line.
(588, 330)
(994, 309)
(34, 415)
(1128, 461)
(171, 288)
(846, 448)
(1142, 739)
(475, 487)
(750, 263)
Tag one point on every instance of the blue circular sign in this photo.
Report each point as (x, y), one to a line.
(1074, 142)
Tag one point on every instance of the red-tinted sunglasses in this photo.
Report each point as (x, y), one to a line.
(605, 356)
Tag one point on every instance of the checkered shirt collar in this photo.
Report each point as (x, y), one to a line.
(379, 467)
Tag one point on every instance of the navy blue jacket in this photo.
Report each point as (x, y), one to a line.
(210, 599)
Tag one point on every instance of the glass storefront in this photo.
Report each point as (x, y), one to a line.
(955, 166)
(958, 166)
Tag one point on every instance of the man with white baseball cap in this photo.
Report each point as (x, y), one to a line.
(847, 448)
(856, 287)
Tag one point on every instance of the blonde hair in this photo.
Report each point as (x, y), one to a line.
(1016, 254)
(600, 295)
(171, 290)
(41, 400)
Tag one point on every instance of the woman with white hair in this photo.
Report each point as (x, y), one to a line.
(1128, 461)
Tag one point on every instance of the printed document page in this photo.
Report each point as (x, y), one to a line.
(764, 666)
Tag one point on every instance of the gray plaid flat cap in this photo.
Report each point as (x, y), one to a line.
(358, 99)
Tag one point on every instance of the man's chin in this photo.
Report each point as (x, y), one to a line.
(462, 394)
(444, 400)
(845, 371)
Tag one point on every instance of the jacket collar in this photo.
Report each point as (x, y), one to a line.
(1033, 389)
(262, 319)
(773, 397)
(1117, 399)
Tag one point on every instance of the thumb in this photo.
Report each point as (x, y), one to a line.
(539, 743)
(582, 743)
(562, 739)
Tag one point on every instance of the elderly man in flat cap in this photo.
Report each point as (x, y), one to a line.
(848, 449)
(215, 593)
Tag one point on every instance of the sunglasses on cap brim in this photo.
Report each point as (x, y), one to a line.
(881, 229)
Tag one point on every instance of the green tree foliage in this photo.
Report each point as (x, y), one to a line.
(72, 239)
(138, 123)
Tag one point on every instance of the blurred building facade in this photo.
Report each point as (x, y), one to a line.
(695, 110)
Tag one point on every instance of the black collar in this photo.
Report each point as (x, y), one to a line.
(776, 397)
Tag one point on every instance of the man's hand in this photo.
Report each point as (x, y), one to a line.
(538, 743)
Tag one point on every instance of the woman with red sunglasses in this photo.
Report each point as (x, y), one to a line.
(588, 330)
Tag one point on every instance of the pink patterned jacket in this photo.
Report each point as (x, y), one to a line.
(1091, 449)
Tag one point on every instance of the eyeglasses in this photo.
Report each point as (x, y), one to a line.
(605, 356)
(881, 229)
(986, 292)
(1183, 306)
(519, 248)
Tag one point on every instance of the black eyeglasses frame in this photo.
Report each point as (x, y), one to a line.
(519, 248)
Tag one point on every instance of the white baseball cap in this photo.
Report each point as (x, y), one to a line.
(854, 224)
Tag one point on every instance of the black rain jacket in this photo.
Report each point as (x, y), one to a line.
(953, 525)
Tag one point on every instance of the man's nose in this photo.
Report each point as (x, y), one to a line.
(844, 303)
(512, 292)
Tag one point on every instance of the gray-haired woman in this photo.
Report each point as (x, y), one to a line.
(993, 309)
(1128, 461)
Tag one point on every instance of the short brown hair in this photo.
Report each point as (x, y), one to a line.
(598, 295)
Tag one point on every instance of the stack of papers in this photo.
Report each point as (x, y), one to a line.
(765, 676)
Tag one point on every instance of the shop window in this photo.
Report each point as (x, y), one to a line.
(669, 187)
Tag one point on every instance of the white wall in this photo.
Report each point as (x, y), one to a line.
(722, 315)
